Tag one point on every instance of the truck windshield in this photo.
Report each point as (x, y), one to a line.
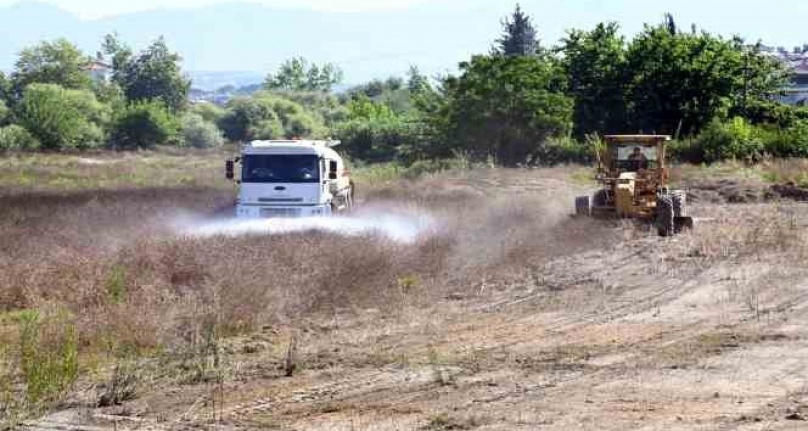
(280, 169)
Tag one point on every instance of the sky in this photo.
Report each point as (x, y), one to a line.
(93, 9)
(779, 22)
(774, 22)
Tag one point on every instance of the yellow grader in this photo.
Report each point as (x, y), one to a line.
(634, 179)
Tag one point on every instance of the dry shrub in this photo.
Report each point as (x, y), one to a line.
(112, 259)
(741, 232)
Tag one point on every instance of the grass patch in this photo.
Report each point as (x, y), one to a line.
(111, 170)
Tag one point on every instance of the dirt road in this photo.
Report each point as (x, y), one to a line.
(543, 323)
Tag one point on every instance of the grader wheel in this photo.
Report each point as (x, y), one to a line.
(666, 225)
(679, 199)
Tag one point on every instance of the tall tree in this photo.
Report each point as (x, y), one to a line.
(507, 107)
(681, 81)
(595, 63)
(58, 62)
(5, 88)
(416, 82)
(154, 74)
(119, 54)
(519, 37)
(297, 74)
(670, 24)
(62, 118)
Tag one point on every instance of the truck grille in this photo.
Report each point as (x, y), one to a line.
(271, 212)
(280, 200)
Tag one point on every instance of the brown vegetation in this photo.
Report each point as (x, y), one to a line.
(505, 298)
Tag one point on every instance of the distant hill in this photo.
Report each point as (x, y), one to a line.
(215, 80)
(256, 38)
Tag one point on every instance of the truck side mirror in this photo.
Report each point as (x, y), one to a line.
(228, 169)
(332, 170)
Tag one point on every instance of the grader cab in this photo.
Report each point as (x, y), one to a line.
(634, 179)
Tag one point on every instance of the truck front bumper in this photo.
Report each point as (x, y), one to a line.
(260, 211)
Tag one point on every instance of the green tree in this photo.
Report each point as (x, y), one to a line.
(58, 62)
(208, 111)
(120, 55)
(244, 117)
(62, 118)
(145, 124)
(595, 64)
(416, 82)
(4, 113)
(670, 24)
(519, 37)
(198, 133)
(269, 116)
(16, 138)
(506, 107)
(680, 81)
(154, 74)
(324, 105)
(363, 108)
(298, 75)
(297, 121)
(5, 88)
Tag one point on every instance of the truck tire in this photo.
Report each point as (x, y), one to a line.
(665, 218)
(351, 195)
(583, 206)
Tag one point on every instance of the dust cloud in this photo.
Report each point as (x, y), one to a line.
(400, 226)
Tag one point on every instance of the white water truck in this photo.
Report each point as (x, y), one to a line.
(292, 178)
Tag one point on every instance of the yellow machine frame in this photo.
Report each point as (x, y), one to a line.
(630, 192)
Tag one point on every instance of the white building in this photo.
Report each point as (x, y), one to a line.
(98, 70)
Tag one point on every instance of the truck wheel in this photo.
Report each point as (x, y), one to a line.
(353, 190)
(665, 216)
(351, 195)
(583, 207)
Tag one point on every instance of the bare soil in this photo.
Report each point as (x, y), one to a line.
(513, 315)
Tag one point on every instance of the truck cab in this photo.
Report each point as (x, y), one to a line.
(293, 178)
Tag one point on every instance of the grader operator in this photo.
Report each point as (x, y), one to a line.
(634, 179)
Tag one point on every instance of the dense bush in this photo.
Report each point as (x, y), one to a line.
(270, 128)
(61, 118)
(789, 142)
(4, 113)
(303, 124)
(269, 116)
(739, 139)
(144, 125)
(324, 105)
(208, 111)
(735, 139)
(566, 150)
(198, 133)
(14, 137)
(243, 116)
(377, 140)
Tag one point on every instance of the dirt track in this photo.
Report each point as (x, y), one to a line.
(594, 326)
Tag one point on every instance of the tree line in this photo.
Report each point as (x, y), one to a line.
(521, 103)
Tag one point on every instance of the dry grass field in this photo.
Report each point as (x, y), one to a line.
(501, 313)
